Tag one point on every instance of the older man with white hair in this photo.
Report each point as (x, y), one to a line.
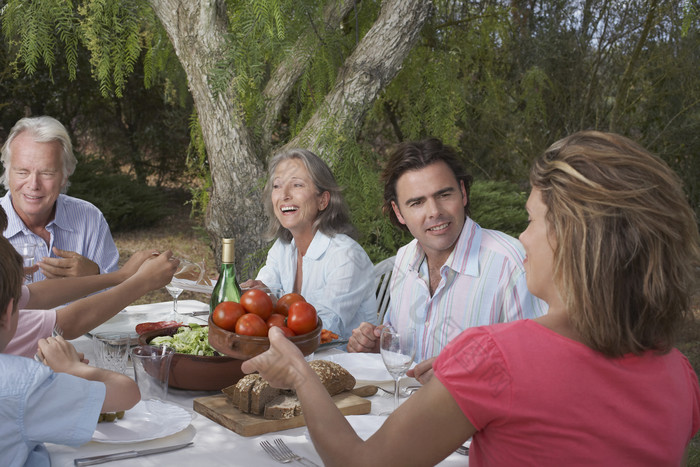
(72, 235)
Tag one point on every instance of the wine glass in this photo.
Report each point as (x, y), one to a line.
(186, 272)
(398, 350)
(28, 251)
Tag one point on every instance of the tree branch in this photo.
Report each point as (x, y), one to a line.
(279, 87)
(374, 63)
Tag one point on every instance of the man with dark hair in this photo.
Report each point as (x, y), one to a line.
(454, 274)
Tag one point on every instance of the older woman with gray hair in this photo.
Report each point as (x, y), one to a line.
(315, 254)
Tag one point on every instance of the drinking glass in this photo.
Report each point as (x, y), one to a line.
(28, 251)
(186, 271)
(398, 350)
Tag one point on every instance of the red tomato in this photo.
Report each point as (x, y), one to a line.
(302, 318)
(251, 325)
(287, 332)
(276, 319)
(285, 301)
(258, 302)
(226, 314)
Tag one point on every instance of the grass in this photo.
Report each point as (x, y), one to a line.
(186, 238)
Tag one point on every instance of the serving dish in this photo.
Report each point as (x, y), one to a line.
(197, 372)
(245, 347)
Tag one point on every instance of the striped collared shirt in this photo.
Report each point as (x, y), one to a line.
(482, 282)
(77, 226)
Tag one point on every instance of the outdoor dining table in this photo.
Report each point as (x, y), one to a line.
(214, 444)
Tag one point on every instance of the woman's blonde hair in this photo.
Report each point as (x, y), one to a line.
(627, 245)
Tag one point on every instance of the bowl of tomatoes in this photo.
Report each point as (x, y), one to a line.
(239, 330)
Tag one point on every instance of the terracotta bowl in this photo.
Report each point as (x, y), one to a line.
(197, 372)
(245, 347)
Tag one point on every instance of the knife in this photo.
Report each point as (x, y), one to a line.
(126, 455)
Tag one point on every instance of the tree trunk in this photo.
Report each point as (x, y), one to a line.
(197, 29)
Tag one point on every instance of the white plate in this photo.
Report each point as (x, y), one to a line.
(147, 420)
(363, 366)
(126, 320)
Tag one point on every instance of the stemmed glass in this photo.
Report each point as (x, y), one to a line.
(186, 271)
(28, 251)
(398, 351)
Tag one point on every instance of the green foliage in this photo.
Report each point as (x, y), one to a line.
(41, 25)
(125, 203)
(499, 206)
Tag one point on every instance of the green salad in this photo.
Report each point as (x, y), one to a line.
(192, 340)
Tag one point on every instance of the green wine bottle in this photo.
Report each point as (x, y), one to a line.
(226, 288)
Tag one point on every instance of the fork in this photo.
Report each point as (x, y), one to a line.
(283, 454)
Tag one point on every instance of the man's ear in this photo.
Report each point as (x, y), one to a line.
(465, 198)
(398, 213)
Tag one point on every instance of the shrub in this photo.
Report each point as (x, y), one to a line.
(125, 203)
(499, 206)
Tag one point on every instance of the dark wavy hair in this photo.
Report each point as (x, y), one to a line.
(335, 219)
(416, 155)
(627, 245)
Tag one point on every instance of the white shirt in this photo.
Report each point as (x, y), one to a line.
(77, 226)
(338, 279)
(482, 282)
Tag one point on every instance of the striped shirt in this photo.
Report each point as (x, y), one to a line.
(482, 282)
(77, 226)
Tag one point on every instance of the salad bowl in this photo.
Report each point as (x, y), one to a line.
(197, 372)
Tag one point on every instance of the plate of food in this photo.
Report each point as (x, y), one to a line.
(147, 420)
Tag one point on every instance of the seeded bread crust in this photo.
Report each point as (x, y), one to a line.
(334, 377)
(241, 392)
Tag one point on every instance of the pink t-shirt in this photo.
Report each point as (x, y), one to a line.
(538, 398)
(32, 325)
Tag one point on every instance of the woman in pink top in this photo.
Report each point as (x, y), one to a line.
(612, 246)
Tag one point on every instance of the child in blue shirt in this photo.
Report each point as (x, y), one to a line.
(58, 402)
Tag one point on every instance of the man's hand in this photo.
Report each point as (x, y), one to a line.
(365, 338)
(68, 264)
(423, 371)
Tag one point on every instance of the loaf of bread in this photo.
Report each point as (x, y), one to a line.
(334, 377)
(252, 394)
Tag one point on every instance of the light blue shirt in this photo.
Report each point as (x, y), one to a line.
(482, 282)
(77, 226)
(338, 279)
(39, 406)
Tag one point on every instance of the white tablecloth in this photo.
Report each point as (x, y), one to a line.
(214, 444)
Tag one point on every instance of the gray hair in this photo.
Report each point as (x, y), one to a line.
(43, 129)
(335, 219)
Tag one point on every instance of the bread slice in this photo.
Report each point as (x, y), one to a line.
(282, 407)
(260, 395)
(334, 377)
(243, 389)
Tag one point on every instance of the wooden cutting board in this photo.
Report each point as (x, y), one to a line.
(219, 409)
